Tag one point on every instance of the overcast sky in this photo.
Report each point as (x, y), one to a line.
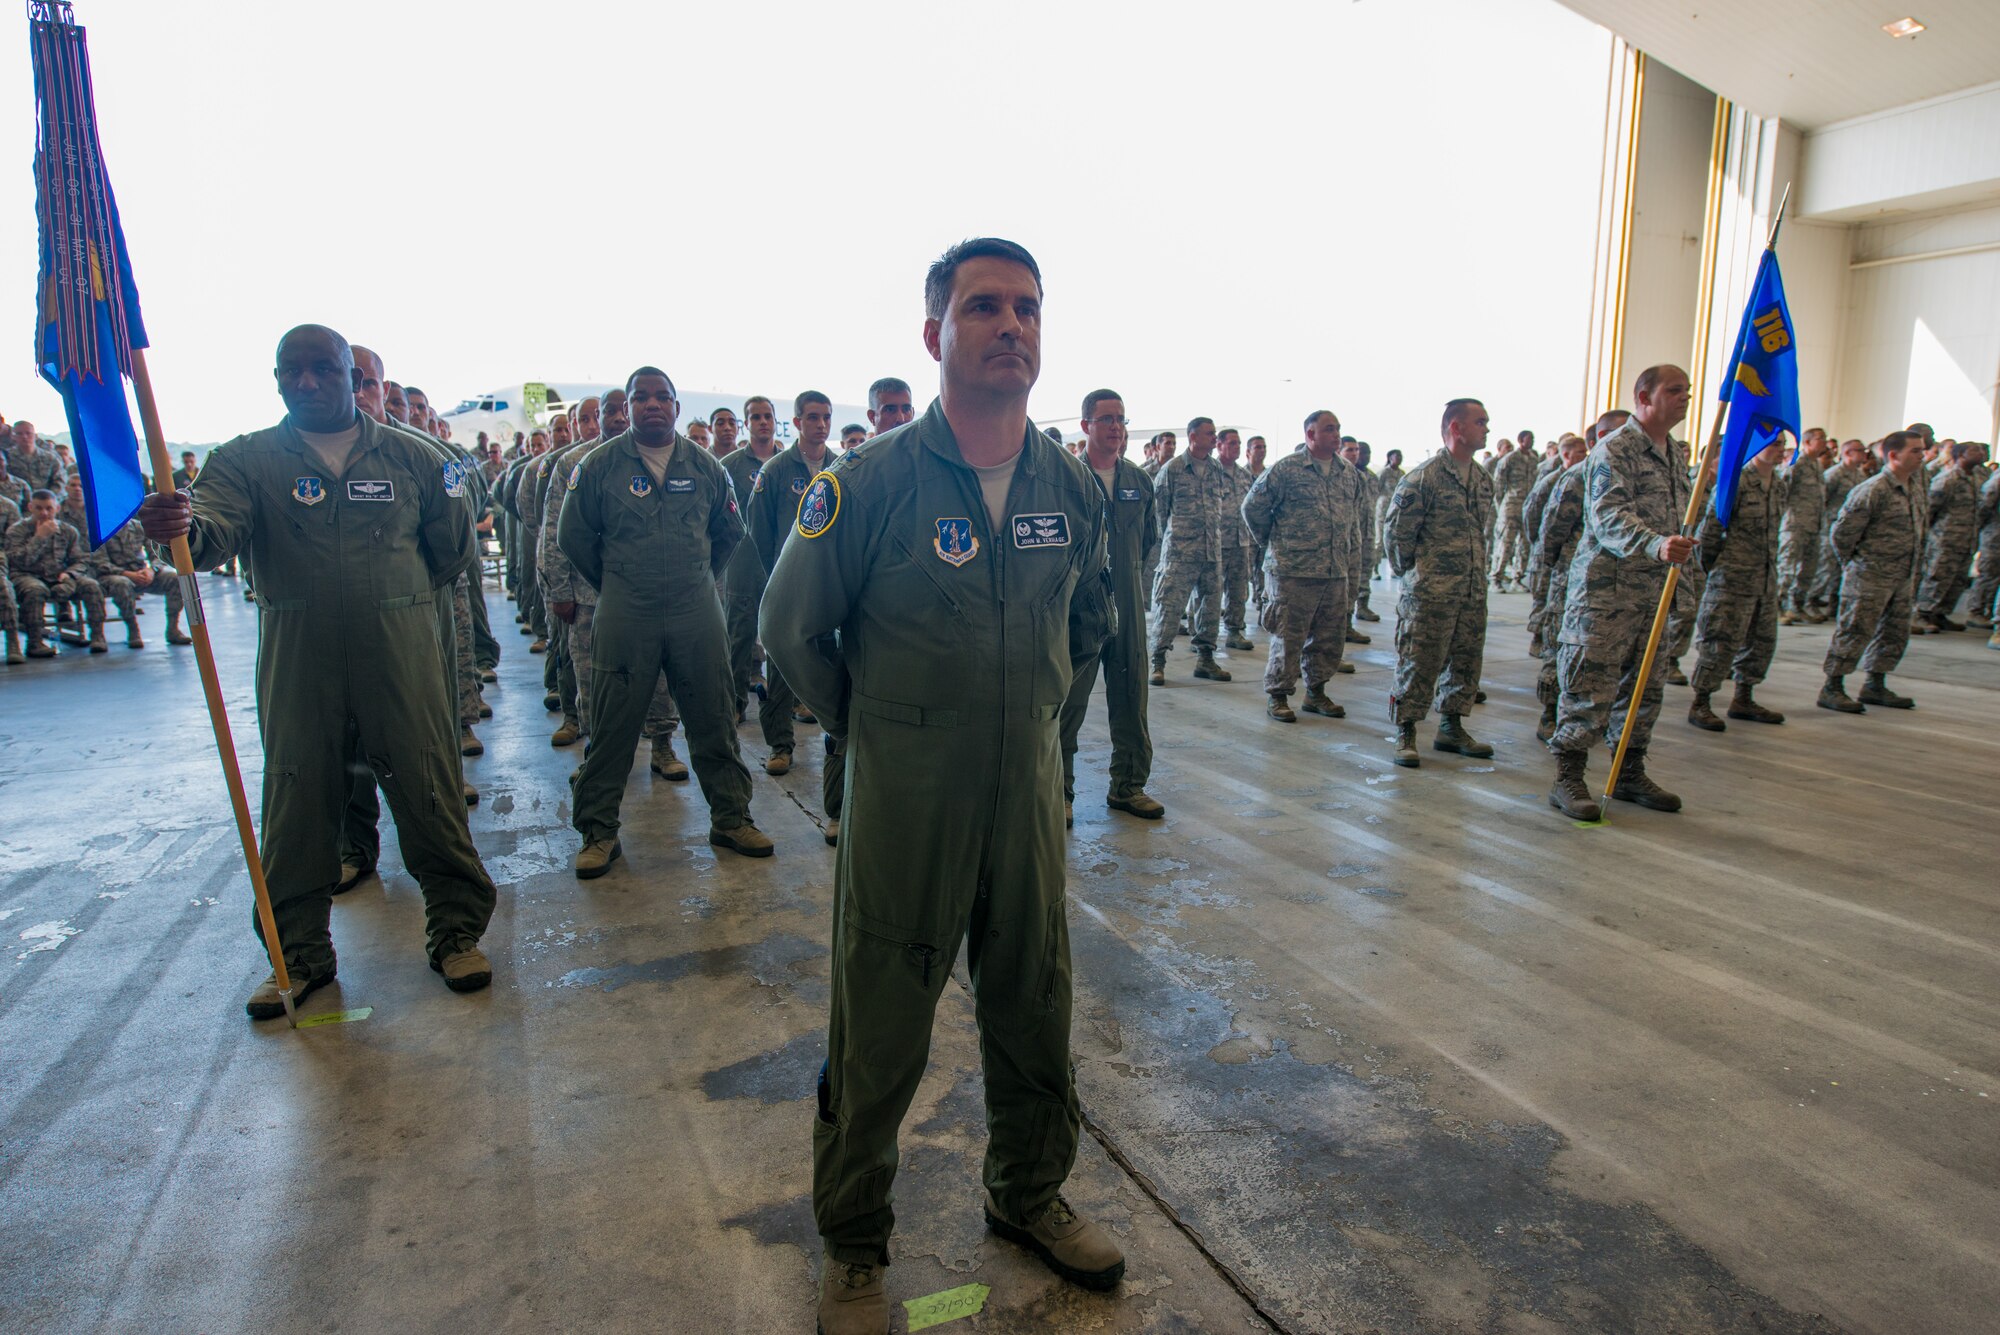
(1243, 211)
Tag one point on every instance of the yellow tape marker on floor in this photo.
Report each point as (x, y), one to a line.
(938, 1308)
(336, 1017)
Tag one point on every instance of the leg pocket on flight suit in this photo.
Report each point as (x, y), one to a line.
(901, 979)
(1017, 977)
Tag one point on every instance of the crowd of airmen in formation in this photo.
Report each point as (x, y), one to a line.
(941, 593)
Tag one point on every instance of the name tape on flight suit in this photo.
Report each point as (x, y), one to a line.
(680, 484)
(1041, 530)
(382, 490)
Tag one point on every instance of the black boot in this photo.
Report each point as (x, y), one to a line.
(1571, 794)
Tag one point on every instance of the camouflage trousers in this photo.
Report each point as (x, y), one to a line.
(1737, 629)
(1512, 554)
(1986, 585)
(1947, 574)
(1600, 676)
(466, 670)
(1825, 592)
(1874, 625)
(572, 645)
(1679, 634)
(10, 610)
(1176, 580)
(1307, 620)
(36, 594)
(123, 594)
(1235, 591)
(1798, 566)
(1440, 651)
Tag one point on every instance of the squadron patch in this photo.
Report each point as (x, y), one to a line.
(642, 486)
(955, 543)
(1041, 530)
(308, 491)
(371, 491)
(820, 506)
(680, 485)
(575, 476)
(757, 479)
(454, 477)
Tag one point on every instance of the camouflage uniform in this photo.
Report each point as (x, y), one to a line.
(1386, 483)
(1194, 500)
(127, 550)
(1738, 624)
(559, 670)
(1954, 509)
(38, 468)
(1803, 533)
(1371, 553)
(1555, 547)
(743, 579)
(1635, 494)
(53, 568)
(1987, 585)
(1840, 481)
(1308, 514)
(1513, 477)
(1878, 536)
(1238, 550)
(10, 610)
(1436, 536)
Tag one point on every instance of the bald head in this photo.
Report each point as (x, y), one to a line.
(316, 378)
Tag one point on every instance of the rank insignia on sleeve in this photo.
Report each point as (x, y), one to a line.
(1404, 498)
(1600, 479)
(955, 543)
(642, 486)
(1051, 530)
(820, 506)
(680, 485)
(308, 491)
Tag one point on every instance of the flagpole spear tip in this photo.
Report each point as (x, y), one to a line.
(1778, 218)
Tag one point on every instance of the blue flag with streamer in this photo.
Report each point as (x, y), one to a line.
(87, 321)
(1762, 387)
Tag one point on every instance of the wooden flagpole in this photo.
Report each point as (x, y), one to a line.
(211, 683)
(1697, 498)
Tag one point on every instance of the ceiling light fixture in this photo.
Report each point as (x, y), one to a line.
(1905, 27)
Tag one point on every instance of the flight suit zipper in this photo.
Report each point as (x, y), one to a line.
(927, 955)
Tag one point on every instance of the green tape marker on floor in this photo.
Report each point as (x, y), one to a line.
(938, 1308)
(1590, 824)
(336, 1017)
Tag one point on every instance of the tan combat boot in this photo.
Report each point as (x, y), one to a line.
(779, 763)
(851, 1299)
(14, 654)
(595, 858)
(746, 839)
(133, 639)
(1075, 1248)
(1316, 702)
(1206, 668)
(665, 763)
(97, 644)
(1280, 709)
(469, 743)
(1571, 795)
(1136, 803)
(567, 734)
(465, 969)
(1452, 736)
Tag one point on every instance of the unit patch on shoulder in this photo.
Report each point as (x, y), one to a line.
(756, 479)
(820, 506)
(955, 543)
(371, 491)
(642, 486)
(575, 476)
(454, 477)
(308, 491)
(1050, 530)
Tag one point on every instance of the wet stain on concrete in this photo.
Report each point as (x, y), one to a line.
(1346, 869)
(1380, 892)
(772, 962)
(787, 1223)
(784, 1075)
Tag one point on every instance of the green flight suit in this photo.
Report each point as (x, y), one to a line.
(768, 517)
(957, 647)
(653, 552)
(1134, 540)
(743, 584)
(349, 571)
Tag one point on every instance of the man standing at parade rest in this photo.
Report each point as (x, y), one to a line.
(352, 530)
(1841, 480)
(743, 580)
(1306, 512)
(1635, 498)
(558, 581)
(651, 520)
(1513, 477)
(1437, 546)
(1879, 537)
(1954, 529)
(962, 561)
(1237, 548)
(532, 502)
(1132, 535)
(1737, 627)
(1553, 515)
(773, 505)
(1193, 498)
(1804, 528)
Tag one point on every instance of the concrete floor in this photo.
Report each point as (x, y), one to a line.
(1361, 1049)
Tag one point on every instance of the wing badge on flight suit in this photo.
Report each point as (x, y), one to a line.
(1041, 530)
(955, 542)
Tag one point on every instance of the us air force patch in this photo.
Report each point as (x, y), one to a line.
(642, 486)
(955, 543)
(575, 476)
(371, 491)
(308, 491)
(1041, 530)
(820, 506)
(798, 486)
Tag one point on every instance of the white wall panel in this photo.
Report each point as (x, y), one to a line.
(1669, 195)
(1926, 155)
